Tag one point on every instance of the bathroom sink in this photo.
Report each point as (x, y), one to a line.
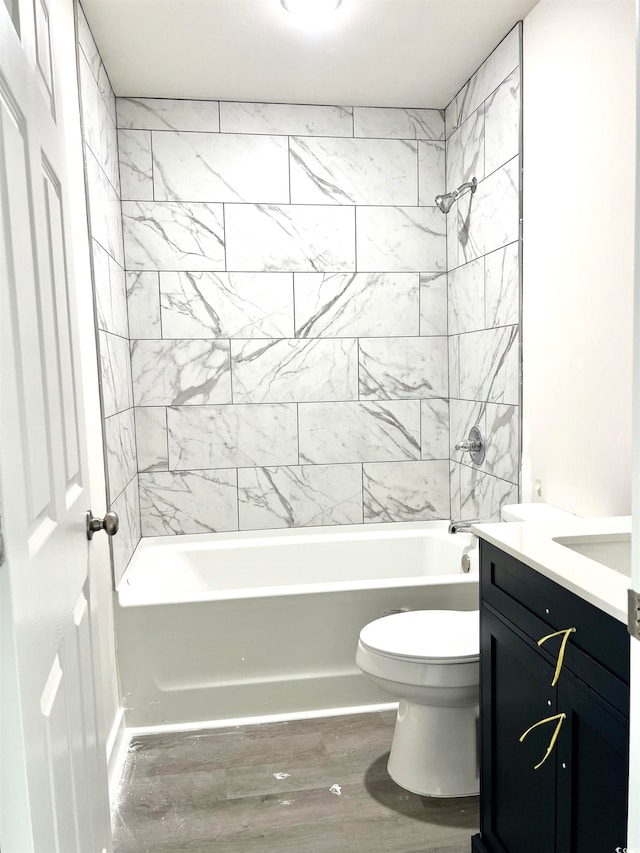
(609, 549)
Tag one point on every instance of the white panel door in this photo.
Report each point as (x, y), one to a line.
(43, 457)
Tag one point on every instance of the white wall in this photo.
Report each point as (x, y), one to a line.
(579, 177)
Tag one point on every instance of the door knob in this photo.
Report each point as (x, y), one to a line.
(109, 524)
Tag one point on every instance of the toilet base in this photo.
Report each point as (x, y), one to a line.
(435, 750)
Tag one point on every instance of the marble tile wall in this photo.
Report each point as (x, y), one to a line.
(483, 262)
(287, 306)
(105, 219)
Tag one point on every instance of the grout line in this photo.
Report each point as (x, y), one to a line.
(237, 497)
(228, 467)
(282, 134)
(224, 236)
(293, 305)
(153, 170)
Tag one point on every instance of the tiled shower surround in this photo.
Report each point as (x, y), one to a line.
(483, 263)
(293, 343)
(287, 305)
(103, 198)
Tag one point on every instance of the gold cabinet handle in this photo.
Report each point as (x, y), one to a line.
(554, 737)
(565, 637)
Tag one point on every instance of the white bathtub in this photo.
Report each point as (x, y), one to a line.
(227, 626)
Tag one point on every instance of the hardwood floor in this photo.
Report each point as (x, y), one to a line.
(311, 786)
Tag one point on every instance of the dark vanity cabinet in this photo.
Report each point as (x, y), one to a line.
(576, 799)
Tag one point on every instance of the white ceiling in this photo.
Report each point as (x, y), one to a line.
(410, 53)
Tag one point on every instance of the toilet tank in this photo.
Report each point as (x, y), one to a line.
(534, 512)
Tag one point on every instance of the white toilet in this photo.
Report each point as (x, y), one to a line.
(429, 660)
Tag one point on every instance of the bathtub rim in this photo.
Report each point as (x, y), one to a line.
(126, 598)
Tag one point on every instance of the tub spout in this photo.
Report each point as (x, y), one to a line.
(462, 526)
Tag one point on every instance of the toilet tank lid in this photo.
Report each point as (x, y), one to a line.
(534, 512)
(439, 635)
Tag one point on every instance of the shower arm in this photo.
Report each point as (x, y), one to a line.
(470, 185)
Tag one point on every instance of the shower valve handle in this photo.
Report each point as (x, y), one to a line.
(474, 445)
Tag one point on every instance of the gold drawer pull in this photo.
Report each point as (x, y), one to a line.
(560, 718)
(563, 646)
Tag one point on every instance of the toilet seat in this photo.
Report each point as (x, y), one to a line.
(425, 636)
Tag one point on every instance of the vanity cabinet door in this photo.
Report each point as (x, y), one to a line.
(593, 764)
(518, 803)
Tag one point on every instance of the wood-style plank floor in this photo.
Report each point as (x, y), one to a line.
(311, 786)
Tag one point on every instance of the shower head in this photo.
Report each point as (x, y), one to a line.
(445, 201)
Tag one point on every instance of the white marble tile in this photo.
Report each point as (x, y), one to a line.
(99, 130)
(434, 415)
(136, 168)
(92, 55)
(483, 496)
(110, 292)
(500, 426)
(465, 152)
(189, 502)
(167, 114)
(367, 304)
(243, 436)
(494, 70)
(502, 287)
(433, 304)
(120, 448)
(453, 244)
(490, 218)
(403, 368)
(179, 373)
(286, 119)
(406, 491)
(502, 123)
(306, 238)
(104, 84)
(173, 236)
(502, 438)
(104, 210)
(226, 305)
(396, 123)
(299, 496)
(359, 432)
(466, 298)
(464, 414)
(220, 167)
(400, 239)
(143, 305)
(127, 506)
(115, 374)
(151, 438)
(289, 371)
(353, 171)
(87, 43)
(431, 172)
(454, 365)
(454, 488)
(489, 365)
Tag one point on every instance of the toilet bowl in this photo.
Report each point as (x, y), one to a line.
(429, 660)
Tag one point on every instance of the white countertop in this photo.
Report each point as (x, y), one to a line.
(532, 543)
